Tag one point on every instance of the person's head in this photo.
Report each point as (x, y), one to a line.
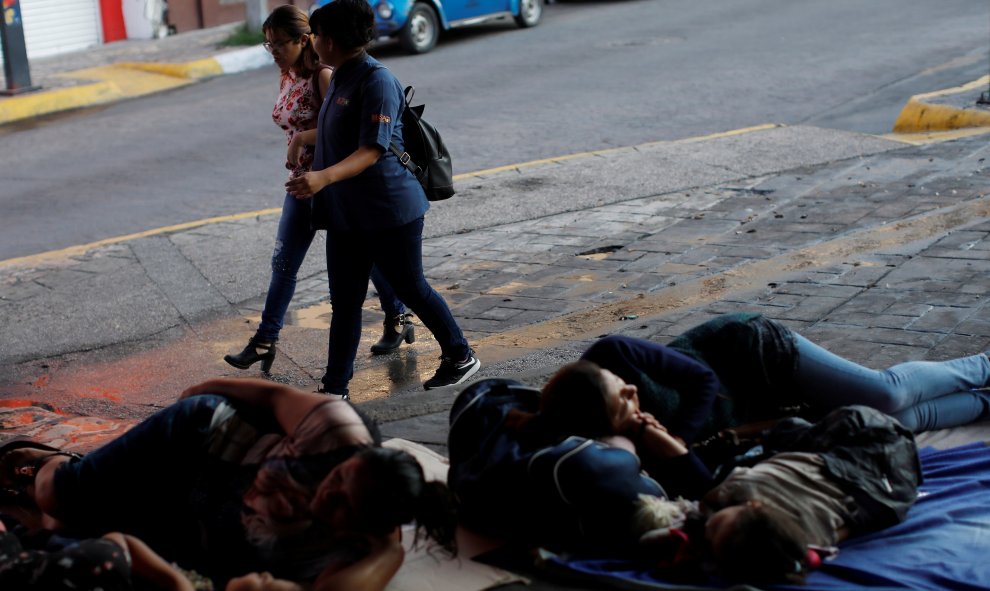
(380, 489)
(343, 29)
(586, 400)
(289, 39)
(757, 543)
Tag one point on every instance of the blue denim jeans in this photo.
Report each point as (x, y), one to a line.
(398, 254)
(291, 244)
(141, 482)
(922, 395)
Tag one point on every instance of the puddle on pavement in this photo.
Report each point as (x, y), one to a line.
(316, 316)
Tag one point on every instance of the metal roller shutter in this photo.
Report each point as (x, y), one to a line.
(58, 26)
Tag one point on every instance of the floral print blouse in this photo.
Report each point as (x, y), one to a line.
(295, 112)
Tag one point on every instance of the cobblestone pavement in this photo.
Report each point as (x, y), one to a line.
(875, 249)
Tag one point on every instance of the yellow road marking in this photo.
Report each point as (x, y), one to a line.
(932, 137)
(555, 159)
(82, 248)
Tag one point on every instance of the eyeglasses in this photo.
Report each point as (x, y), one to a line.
(278, 45)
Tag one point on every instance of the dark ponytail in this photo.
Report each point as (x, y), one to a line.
(397, 493)
(436, 515)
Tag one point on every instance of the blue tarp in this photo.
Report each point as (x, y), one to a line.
(943, 545)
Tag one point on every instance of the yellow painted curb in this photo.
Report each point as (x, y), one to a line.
(114, 82)
(919, 116)
(63, 99)
(934, 137)
(194, 70)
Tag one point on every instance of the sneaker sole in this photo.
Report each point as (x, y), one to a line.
(474, 369)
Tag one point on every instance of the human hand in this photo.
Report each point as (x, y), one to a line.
(261, 582)
(296, 147)
(307, 185)
(650, 420)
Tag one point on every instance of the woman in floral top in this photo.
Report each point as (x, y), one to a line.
(304, 82)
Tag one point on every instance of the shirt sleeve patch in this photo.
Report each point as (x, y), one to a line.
(381, 119)
(343, 102)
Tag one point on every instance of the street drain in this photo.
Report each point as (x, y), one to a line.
(599, 253)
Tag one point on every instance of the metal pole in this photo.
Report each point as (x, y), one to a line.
(15, 63)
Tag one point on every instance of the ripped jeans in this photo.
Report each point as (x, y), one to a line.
(292, 241)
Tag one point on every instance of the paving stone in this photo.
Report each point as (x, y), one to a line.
(959, 345)
(975, 326)
(807, 288)
(941, 319)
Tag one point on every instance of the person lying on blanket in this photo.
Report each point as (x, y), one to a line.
(36, 559)
(565, 471)
(245, 475)
(742, 368)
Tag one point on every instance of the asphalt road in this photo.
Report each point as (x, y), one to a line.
(593, 75)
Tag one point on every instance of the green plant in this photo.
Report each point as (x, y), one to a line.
(242, 36)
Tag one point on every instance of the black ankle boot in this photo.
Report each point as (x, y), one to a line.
(397, 329)
(254, 352)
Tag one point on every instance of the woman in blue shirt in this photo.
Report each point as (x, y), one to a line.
(374, 205)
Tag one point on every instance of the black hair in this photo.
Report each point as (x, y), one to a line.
(765, 545)
(575, 402)
(350, 23)
(397, 493)
(370, 424)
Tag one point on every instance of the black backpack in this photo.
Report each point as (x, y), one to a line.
(425, 156)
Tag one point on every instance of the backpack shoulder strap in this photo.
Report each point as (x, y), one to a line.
(404, 158)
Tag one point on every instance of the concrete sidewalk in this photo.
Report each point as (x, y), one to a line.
(873, 247)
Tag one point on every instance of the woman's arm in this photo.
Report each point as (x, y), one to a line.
(310, 183)
(632, 358)
(148, 566)
(655, 442)
(325, 75)
(299, 141)
(308, 137)
(287, 404)
(672, 464)
(371, 573)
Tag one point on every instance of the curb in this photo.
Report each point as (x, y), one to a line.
(126, 80)
(921, 114)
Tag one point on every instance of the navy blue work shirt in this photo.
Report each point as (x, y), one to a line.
(363, 108)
